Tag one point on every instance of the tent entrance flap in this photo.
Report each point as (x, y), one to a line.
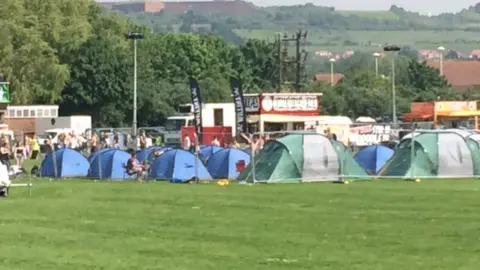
(454, 157)
(320, 160)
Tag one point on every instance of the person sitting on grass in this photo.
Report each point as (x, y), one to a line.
(135, 167)
(4, 187)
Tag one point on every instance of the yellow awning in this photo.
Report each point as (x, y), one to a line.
(460, 114)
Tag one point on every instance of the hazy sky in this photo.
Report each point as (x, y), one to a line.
(423, 6)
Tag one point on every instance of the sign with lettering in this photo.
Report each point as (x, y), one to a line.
(237, 93)
(251, 103)
(197, 107)
(370, 134)
(455, 106)
(290, 104)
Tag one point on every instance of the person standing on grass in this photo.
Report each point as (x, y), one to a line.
(93, 143)
(5, 155)
(234, 144)
(158, 141)
(116, 144)
(195, 145)
(20, 153)
(73, 141)
(35, 146)
(27, 146)
(143, 141)
(215, 141)
(187, 143)
(49, 147)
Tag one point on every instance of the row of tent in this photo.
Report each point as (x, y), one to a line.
(304, 157)
(451, 153)
(312, 157)
(174, 164)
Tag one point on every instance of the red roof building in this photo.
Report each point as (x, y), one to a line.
(154, 6)
(461, 74)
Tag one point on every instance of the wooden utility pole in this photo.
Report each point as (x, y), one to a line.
(299, 58)
(280, 64)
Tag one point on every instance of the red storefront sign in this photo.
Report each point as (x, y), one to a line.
(300, 105)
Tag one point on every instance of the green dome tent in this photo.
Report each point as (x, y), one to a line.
(448, 153)
(302, 157)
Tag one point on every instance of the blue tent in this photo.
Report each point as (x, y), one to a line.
(178, 166)
(110, 164)
(225, 163)
(151, 157)
(372, 158)
(248, 150)
(94, 154)
(145, 153)
(208, 151)
(68, 163)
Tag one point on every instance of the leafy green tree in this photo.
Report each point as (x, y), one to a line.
(262, 63)
(99, 84)
(423, 77)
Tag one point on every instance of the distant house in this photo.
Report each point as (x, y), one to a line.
(462, 55)
(329, 54)
(461, 74)
(323, 53)
(425, 54)
(475, 53)
(347, 54)
(326, 77)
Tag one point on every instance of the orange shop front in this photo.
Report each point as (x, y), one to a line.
(445, 113)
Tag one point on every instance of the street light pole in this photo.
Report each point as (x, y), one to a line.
(394, 49)
(134, 122)
(441, 49)
(376, 55)
(332, 62)
(394, 95)
(135, 36)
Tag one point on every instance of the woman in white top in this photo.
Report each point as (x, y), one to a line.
(116, 143)
(20, 153)
(73, 142)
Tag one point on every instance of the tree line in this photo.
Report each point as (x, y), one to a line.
(75, 54)
(305, 16)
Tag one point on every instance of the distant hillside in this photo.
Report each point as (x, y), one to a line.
(328, 29)
(239, 14)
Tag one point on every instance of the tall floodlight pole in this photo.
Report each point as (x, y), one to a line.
(332, 63)
(394, 49)
(135, 36)
(441, 49)
(376, 55)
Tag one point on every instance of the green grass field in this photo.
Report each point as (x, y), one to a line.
(365, 225)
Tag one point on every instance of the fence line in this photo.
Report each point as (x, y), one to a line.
(298, 156)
